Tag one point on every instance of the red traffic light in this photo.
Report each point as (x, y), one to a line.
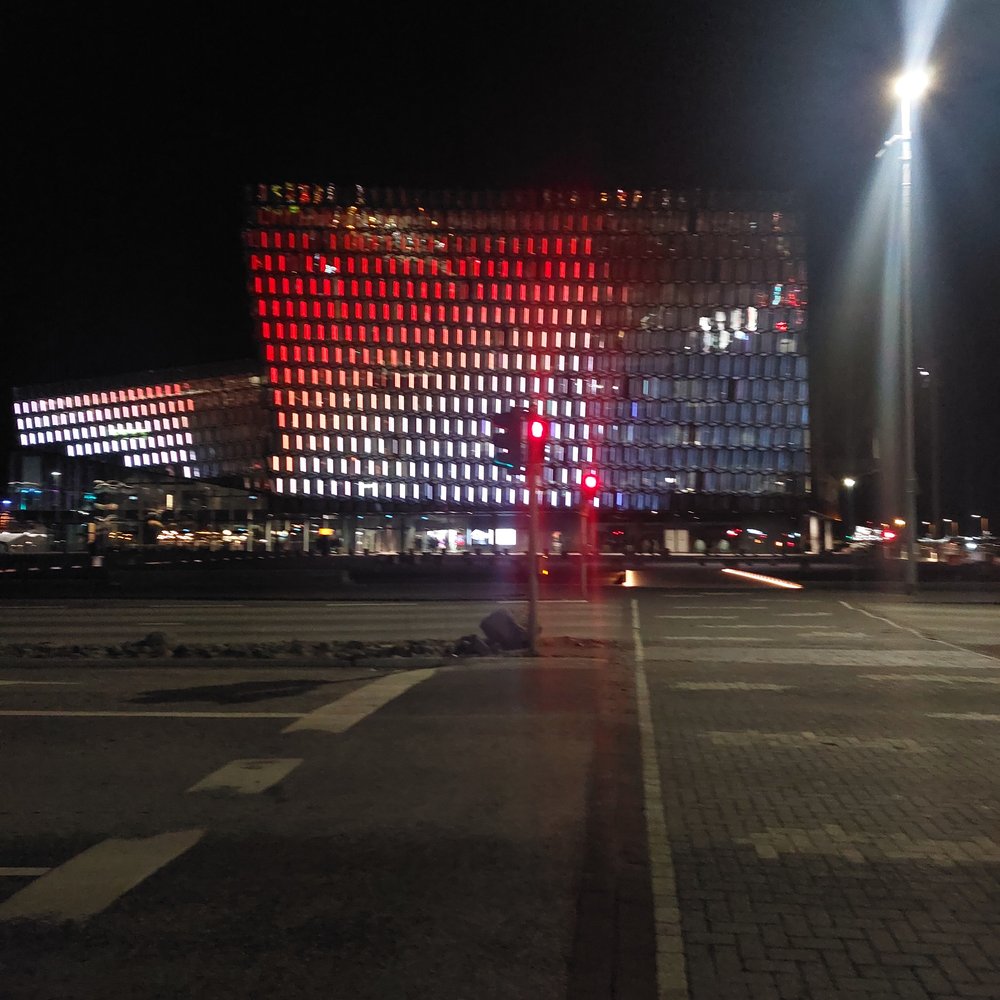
(538, 430)
(590, 481)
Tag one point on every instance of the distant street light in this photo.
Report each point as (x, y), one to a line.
(849, 485)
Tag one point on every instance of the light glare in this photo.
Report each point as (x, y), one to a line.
(772, 581)
(912, 84)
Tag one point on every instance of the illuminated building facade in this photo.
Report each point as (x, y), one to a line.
(189, 423)
(662, 334)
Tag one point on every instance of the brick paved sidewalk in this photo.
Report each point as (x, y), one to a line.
(835, 828)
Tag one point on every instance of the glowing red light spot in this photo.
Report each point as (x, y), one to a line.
(888, 536)
(781, 327)
(537, 429)
(590, 481)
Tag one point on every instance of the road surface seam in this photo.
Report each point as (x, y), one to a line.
(902, 628)
(671, 969)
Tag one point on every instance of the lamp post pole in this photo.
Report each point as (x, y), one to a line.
(907, 94)
(908, 89)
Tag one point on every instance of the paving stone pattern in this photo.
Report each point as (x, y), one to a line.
(831, 840)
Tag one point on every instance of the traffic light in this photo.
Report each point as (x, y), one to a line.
(538, 437)
(589, 486)
(508, 445)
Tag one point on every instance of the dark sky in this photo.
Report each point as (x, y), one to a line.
(131, 134)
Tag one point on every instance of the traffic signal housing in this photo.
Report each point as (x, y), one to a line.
(508, 441)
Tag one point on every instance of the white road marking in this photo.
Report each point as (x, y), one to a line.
(827, 656)
(561, 600)
(833, 635)
(814, 741)
(803, 614)
(41, 713)
(932, 678)
(697, 616)
(768, 626)
(759, 594)
(338, 716)
(93, 880)
(728, 686)
(671, 969)
(22, 872)
(834, 841)
(719, 607)
(373, 604)
(247, 777)
(35, 607)
(719, 638)
(59, 683)
(964, 716)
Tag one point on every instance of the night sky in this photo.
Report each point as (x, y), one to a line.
(132, 133)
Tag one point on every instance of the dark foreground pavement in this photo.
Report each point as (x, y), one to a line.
(456, 841)
(760, 794)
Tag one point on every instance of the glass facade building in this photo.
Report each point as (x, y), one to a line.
(662, 334)
(190, 423)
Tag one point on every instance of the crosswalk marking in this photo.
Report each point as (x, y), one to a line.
(247, 777)
(812, 741)
(339, 716)
(90, 882)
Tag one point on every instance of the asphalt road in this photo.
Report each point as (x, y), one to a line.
(763, 794)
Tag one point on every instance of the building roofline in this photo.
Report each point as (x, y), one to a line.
(136, 378)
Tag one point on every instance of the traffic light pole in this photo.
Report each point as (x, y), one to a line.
(533, 467)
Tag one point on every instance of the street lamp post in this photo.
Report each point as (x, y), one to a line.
(909, 87)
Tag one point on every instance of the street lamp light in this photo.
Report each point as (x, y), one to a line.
(849, 485)
(909, 87)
